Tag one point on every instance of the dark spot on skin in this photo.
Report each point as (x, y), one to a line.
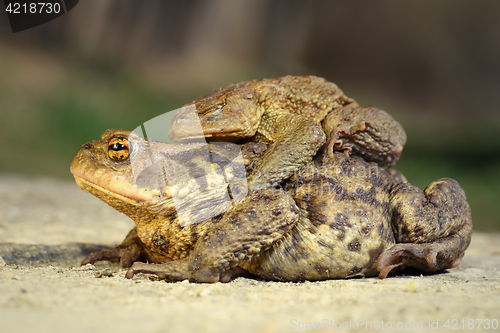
(341, 193)
(317, 219)
(354, 246)
(267, 198)
(377, 181)
(354, 271)
(360, 194)
(361, 213)
(322, 243)
(312, 230)
(235, 219)
(404, 231)
(347, 167)
(253, 148)
(212, 116)
(419, 212)
(265, 232)
(374, 254)
(368, 197)
(441, 219)
(216, 239)
(342, 219)
(331, 181)
(385, 207)
(251, 215)
(284, 227)
(418, 231)
(397, 219)
(194, 236)
(217, 218)
(366, 230)
(381, 230)
(341, 235)
(294, 209)
(320, 269)
(159, 240)
(341, 222)
(276, 212)
(388, 233)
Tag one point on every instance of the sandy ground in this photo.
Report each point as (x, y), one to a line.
(47, 227)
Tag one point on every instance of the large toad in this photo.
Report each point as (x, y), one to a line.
(337, 217)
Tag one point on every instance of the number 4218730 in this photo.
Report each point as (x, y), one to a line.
(33, 8)
(456, 324)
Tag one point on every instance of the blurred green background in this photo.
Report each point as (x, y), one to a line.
(117, 63)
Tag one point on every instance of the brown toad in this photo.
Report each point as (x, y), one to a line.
(336, 217)
(293, 113)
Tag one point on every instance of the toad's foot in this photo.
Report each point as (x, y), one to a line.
(434, 227)
(431, 257)
(247, 230)
(368, 132)
(128, 252)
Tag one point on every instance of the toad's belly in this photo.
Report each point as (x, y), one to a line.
(320, 251)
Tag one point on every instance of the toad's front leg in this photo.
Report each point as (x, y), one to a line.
(250, 228)
(433, 227)
(295, 140)
(128, 252)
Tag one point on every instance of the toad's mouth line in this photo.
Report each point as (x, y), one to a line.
(130, 199)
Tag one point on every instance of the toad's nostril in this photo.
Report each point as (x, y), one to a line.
(87, 146)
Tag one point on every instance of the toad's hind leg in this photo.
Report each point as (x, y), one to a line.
(367, 132)
(250, 228)
(434, 227)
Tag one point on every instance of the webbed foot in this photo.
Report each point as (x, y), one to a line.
(425, 257)
(128, 252)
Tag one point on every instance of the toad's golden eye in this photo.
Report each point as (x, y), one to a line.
(118, 149)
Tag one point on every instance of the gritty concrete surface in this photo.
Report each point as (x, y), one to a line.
(47, 226)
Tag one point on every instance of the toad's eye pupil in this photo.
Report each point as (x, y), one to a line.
(118, 149)
(117, 146)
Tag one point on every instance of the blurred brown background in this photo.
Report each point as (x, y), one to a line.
(434, 65)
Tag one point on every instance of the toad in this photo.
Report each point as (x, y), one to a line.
(297, 114)
(337, 217)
